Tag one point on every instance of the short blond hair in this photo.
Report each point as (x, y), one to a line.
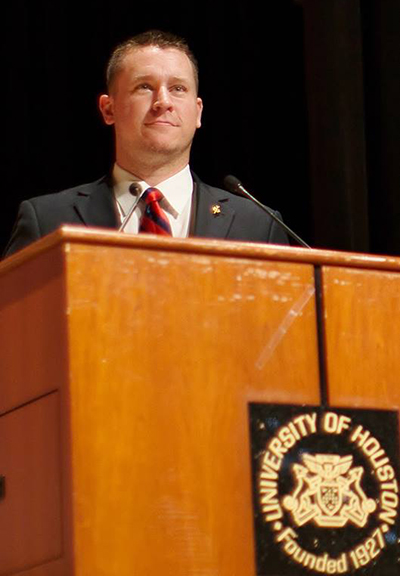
(150, 38)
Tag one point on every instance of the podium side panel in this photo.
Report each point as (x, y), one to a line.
(30, 513)
(33, 364)
(33, 351)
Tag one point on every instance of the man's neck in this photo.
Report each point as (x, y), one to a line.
(153, 173)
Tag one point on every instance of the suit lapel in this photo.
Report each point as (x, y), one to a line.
(213, 217)
(96, 206)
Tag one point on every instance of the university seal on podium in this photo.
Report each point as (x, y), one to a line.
(328, 492)
(325, 490)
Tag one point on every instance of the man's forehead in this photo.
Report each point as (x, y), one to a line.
(153, 56)
(156, 61)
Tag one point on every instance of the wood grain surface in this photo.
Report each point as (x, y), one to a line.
(33, 349)
(166, 351)
(156, 348)
(30, 513)
(362, 310)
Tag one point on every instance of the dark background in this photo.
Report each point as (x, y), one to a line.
(301, 104)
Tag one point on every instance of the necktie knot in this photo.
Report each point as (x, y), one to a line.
(152, 195)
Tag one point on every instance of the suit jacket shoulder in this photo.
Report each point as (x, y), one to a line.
(89, 204)
(221, 214)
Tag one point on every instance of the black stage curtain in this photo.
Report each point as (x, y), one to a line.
(273, 115)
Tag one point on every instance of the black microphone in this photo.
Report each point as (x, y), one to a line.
(235, 186)
(135, 189)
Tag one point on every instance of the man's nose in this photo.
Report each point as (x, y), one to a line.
(162, 99)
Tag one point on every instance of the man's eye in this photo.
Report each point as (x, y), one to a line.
(143, 86)
(179, 88)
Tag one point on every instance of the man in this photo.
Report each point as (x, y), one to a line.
(154, 107)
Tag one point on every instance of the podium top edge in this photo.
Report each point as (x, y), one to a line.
(69, 235)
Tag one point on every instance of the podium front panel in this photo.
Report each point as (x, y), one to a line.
(167, 348)
(362, 310)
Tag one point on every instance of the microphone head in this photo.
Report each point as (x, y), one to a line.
(232, 184)
(135, 189)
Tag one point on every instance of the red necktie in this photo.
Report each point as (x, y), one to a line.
(154, 219)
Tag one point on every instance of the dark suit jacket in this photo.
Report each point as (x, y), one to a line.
(93, 205)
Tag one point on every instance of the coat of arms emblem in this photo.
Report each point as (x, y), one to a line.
(328, 492)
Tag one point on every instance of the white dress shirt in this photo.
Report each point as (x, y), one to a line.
(177, 191)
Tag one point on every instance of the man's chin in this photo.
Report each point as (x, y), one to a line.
(163, 149)
(167, 148)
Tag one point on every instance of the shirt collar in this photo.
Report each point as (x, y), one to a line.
(177, 189)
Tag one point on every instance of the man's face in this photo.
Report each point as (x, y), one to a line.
(153, 105)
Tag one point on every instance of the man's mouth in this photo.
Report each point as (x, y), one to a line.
(161, 123)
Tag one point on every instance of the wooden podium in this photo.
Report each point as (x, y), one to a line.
(126, 367)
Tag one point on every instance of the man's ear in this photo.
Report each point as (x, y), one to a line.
(199, 112)
(106, 105)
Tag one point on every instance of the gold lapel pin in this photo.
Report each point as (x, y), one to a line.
(215, 209)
